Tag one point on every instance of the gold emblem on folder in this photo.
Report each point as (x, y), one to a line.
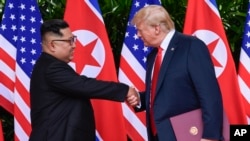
(193, 130)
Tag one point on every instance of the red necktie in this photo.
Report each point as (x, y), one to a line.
(157, 66)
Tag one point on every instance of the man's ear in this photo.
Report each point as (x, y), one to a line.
(49, 46)
(52, 46)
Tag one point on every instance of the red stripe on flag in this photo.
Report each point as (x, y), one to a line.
(130, 73)
(132, 132)
(24, 123)
(130, 127)
(7, 82)
(244, 74)
(16, 138)
(6, 104)
(23, 92)
(7, 59)
(247, 105)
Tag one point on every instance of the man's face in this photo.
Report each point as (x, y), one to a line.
(146, 33)
(64, 46)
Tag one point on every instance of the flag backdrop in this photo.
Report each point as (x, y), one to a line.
(1, 131)
(132, 72)
(93, 57)
(203, 20)
(20, 46)
(244, 66)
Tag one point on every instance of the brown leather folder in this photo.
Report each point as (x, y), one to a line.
(189, 127)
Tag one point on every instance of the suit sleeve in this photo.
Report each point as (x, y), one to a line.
(143, 103)
(65, 80)
(203, 76)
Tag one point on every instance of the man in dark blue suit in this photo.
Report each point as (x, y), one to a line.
(186, 79)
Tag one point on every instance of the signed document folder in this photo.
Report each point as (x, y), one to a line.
(189, 127)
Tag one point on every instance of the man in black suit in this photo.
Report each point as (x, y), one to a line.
(186, 78)
(60, 98)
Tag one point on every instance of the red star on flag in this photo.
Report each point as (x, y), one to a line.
(83, 55)
(211, 48)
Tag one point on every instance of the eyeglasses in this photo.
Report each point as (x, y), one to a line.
(71, 40)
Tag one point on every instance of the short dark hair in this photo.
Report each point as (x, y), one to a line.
(54, 26)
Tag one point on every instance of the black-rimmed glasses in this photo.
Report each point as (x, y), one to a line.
(71, 40)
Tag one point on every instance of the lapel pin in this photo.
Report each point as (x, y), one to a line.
(172, 49)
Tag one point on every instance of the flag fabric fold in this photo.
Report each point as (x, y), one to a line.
(20, 46)
(244, 66)
(132, 72)
(203, 20)
(93, 57)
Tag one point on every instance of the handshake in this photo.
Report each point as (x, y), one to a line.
(133, 97)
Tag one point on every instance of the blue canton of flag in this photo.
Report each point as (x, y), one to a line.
(20, 26)
(132, 41)
(246, 37)
(213, 2)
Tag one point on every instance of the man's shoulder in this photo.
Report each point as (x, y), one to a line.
(184, 38)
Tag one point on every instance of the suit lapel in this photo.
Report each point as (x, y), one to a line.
(167, 58)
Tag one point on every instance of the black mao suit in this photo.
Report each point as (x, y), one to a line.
(186, 82)
(60, 101)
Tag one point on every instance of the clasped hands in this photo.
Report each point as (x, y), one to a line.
(133, 98)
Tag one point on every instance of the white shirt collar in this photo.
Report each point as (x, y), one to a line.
(166, 41)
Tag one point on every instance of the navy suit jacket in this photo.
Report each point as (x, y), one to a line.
(186, 82)
(60, 101)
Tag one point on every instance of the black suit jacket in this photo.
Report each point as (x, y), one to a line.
(186, 82)
(60, 101)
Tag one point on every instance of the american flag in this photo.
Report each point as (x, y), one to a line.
(20, 46)
(132, 71)
(244, 66)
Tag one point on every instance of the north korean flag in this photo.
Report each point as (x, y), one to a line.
(94, 58)
(203, 20)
